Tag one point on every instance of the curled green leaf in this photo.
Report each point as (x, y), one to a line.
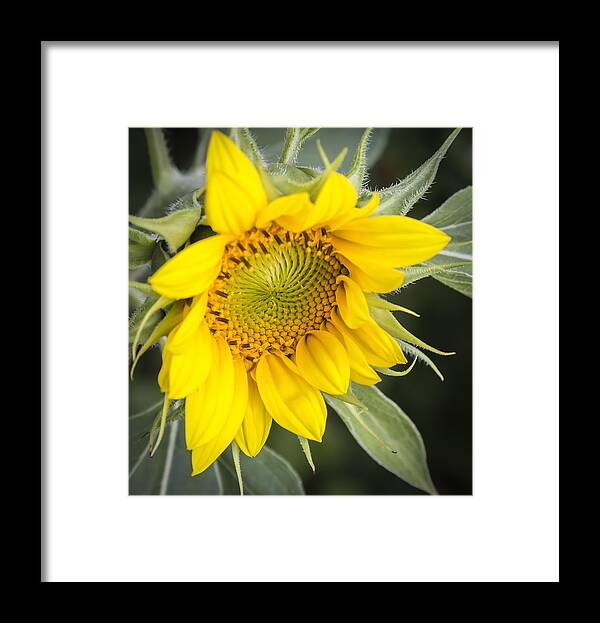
(175, 228)
(141, 248)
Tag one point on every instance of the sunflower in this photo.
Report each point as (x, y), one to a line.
(274, 305)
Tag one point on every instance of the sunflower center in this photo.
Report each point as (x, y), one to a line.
(274, 287)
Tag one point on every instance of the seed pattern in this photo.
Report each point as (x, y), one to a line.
(274, 287)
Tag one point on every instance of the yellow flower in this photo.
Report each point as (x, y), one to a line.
(274, 305)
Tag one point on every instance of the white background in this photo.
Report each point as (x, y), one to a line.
(508, 529)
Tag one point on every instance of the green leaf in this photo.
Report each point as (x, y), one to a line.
(141, 247)
(401, 197)
(454, 217)
(169, 471)
(387, 435)
(265, 474)
(350, 398)
(175, 228)
(358, 168)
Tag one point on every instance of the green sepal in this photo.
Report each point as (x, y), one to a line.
(330, 167)
(172, 318)
(358, 168)
(415, 273)
(390, 372)
(401, 197)
(374, 300)
(159, 422)
(243, 138)
(306, 449)
(235, 453)
(289, 179)
(421, 356)
(387, 321)
(139, 314)
(159, 304)
(294, 139)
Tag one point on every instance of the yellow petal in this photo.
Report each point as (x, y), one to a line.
(360, 370)
(163, 375)
(323, 361)
(355, 213)
(290, 400)
(192, 270)
(203, 456)
(336, 200)
(229, 210)
(351, 302)
(373, 278)
(207, 409)
(234, 191)
(190, 363)
(289, 211)
(379, 348)
(392, 240)
(193, 318)
(253, 432)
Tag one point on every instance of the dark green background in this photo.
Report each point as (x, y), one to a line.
(442, 411)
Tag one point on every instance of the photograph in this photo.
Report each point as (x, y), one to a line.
(334, 355)
(300, 311)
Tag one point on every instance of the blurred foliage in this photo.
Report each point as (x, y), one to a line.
(442, 411)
